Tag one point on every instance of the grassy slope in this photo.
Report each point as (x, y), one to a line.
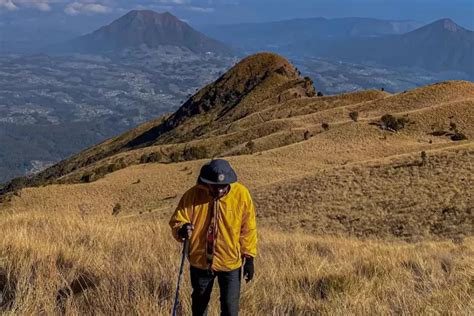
(368, 198)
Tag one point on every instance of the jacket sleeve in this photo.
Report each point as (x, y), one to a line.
(248, 232)
(181, 216)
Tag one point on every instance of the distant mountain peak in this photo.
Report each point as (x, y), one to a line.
(149, 14)
(151, 29)
(447, 24)
(139, 21)
(439, 46)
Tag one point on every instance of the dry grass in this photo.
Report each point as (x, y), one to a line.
(296, 189)
(58, 239)
(96, 264)
(399, 197)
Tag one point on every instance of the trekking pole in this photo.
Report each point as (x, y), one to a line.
(181, 268)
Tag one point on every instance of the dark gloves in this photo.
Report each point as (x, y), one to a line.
(248, 269)
(185, 231)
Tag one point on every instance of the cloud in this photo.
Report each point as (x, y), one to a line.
(199, 6)
(172, 1)
(77, 8)
(8, 5)
(72, 7)
(200, 9)
(196, 3)
(42, 5)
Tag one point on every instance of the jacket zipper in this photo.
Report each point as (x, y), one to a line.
(216, 228)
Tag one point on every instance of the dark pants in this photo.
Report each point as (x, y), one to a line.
(229, 284)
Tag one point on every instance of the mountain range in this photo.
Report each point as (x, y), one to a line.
(441, 46)
(274, 35)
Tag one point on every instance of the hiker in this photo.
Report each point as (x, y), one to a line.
(217, 215)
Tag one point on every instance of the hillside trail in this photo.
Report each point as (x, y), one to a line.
(371, 118)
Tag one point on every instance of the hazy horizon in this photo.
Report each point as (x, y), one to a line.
(82, 16)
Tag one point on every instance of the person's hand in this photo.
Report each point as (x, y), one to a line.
(248, 269)
(186, 231)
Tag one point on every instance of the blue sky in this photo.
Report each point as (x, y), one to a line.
(88, 14)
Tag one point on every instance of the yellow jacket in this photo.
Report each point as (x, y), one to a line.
(236, 225)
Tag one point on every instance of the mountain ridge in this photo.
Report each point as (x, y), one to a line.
(228, 91)
(257, 79)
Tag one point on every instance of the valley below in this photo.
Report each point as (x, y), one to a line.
(54, 106)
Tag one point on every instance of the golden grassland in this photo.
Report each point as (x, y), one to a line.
(75, 263)
(398, 196)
